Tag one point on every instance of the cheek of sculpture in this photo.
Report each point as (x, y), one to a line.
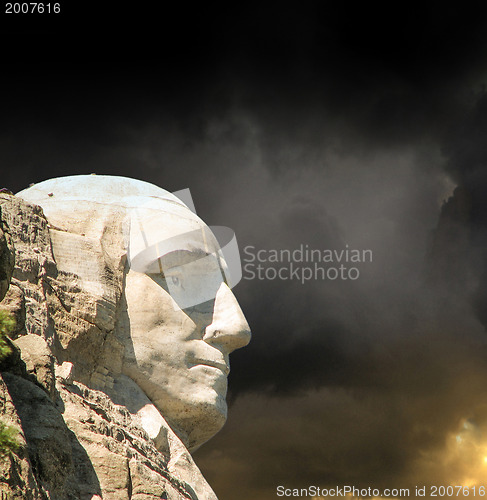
(184, 376)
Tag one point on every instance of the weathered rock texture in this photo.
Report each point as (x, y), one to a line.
(6, 259)
(75, 443)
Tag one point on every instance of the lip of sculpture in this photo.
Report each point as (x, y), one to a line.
(213, 364)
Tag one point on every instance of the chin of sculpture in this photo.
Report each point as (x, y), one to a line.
(125, 323)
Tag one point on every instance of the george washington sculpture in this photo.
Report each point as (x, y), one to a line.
(125, 323)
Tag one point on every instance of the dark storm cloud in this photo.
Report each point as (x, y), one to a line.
(307, 72)
(465, 214)
(465, 144)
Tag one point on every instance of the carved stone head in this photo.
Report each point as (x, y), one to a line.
(141, 305)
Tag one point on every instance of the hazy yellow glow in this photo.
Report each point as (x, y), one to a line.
(461, 461)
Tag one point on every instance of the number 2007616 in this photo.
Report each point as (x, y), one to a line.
(32, 8)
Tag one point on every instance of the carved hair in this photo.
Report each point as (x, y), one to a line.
(69, 273)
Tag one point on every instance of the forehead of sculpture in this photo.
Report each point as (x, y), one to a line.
(105, 189)
(78, 203)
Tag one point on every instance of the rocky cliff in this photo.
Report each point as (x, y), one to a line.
(75, 443)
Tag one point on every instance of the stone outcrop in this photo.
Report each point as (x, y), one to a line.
(74, 441)
(6, 258)
(450, 251)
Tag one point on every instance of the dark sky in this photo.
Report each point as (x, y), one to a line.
(317, 123)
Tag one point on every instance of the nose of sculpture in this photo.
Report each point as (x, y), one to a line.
(229, 328)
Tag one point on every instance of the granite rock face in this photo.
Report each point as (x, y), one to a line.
(140, 302)
(7, 259)
(75, 442)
